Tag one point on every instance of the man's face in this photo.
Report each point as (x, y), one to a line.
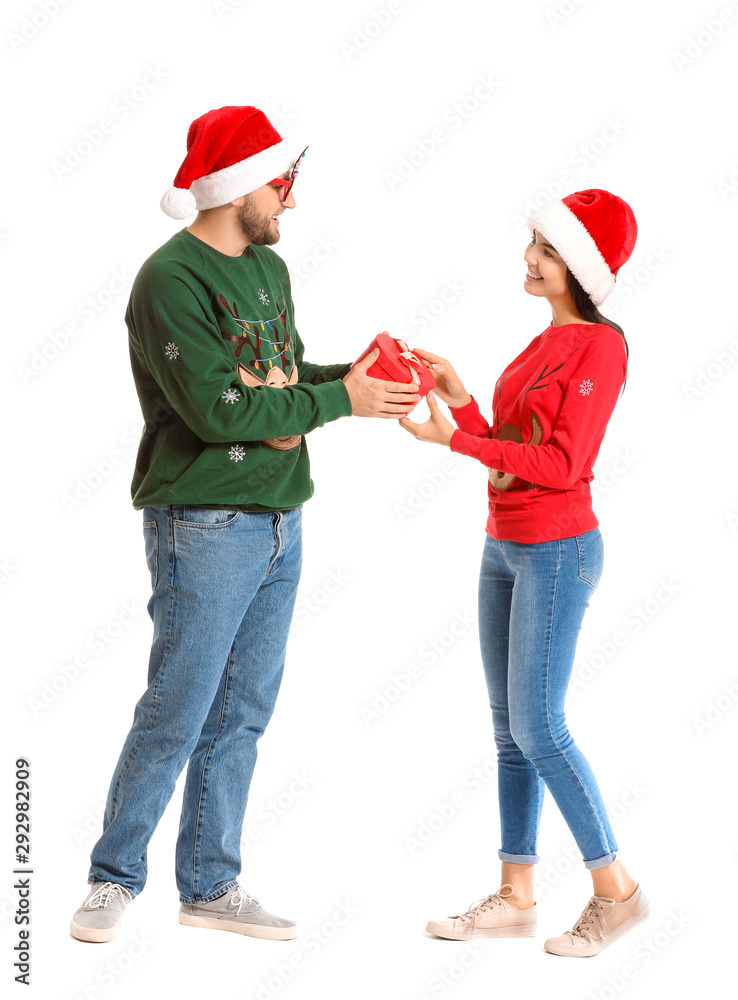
(258, 217)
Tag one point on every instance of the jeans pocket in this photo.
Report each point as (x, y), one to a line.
(591, 556)
(151, 541)
(204, 517)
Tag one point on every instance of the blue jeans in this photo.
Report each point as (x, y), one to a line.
(223, 593)
(532, 599)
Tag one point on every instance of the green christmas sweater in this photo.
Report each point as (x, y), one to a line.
(219, 371)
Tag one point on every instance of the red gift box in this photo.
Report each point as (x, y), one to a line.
(397, 363)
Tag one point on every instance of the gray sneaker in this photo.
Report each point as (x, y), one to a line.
(100, 916)
(237, 911)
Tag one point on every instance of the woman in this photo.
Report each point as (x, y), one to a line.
(543, 559)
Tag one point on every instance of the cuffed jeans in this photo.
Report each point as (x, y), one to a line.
(223, 593)
(532, 599)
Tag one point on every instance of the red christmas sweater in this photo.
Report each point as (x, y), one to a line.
(551, 407)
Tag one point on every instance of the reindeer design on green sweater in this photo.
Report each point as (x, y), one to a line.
(267, 368)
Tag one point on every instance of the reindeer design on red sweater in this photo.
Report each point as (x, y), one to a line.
(268, 365)
(511, 432)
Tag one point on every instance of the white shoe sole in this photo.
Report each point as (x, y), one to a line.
(93, 934)
(238, 927)
(442, 930)
(599, 946)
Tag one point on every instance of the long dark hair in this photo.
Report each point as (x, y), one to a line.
(589, 311)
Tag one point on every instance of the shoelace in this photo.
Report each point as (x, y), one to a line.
(592, 911)
(107, 893)
(496, 899)
(239, 896)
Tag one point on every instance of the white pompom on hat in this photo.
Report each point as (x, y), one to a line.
(594, 232)
(231, 152)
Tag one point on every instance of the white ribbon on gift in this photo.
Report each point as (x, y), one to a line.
(409, 358)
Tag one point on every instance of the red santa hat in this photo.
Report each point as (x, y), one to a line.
(231, 151)
(594, 232)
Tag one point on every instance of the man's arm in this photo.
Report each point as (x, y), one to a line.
(318, 374)
(174, 338)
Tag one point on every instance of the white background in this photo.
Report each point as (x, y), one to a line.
(623, 95)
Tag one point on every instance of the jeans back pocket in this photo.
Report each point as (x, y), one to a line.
(591, 556)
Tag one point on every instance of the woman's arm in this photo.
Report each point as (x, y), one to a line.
(591, 394)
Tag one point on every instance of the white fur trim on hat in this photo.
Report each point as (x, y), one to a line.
(558, 224)
(222, 186)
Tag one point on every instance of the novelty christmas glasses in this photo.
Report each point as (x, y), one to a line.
(287, 184)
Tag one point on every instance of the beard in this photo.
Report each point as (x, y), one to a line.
(256, 227)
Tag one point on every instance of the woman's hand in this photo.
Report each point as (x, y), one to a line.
(438, 430)
(449, 386)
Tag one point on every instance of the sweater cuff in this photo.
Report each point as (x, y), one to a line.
(473, 445)
(469, 419)
(335, 400)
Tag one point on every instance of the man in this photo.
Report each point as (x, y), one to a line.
(221, 474)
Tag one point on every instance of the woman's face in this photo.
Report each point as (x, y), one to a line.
(546, 270)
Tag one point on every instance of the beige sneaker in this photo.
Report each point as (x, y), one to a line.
(602, 922)
(489, 918)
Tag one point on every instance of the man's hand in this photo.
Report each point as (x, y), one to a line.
(449, 386)
(373, 397)
(437, 430)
